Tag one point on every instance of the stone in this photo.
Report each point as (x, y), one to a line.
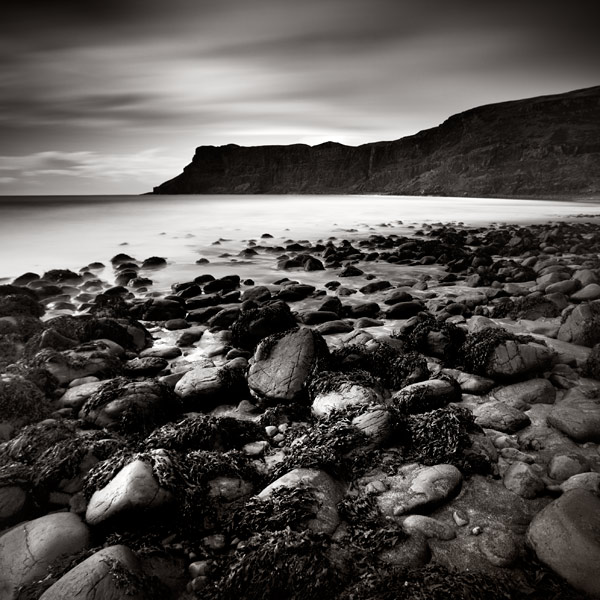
(499, 547)
(422, 490)
(76, 397)
(281, 367)
(404, 310)
(588, 293)
(428, 527)
(332, 327)
(563, 466)
(469, 383)
(167, 352)
(577, 415)
(133, 488)
(376, 424)
(589, 481)
(501, 417)
(345, 395)
(566, 537)
(424, 396)
(327, 492)
(28, 549)
(96, 577)
(147, 366)
(521, 395)
(582, 325)
(512, 359)
(522, 479)
(13, 502)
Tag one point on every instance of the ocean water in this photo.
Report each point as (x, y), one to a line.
(41, 233)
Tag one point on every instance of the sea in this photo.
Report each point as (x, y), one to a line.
(38, 233)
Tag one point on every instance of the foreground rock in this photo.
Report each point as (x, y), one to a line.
(566, 537)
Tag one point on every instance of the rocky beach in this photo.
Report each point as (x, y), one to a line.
(396, 416)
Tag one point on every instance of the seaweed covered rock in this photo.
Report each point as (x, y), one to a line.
(334, 390)
(582, 325)
(21, 402)
(422, 489)
(592, 364)
(203, 387)
(427, 395)
(282, 565)
(132, 407)
(27, 550)
(133, 488)
(205, 432)
(565, 536)
(20, 304)
(113, 573)
(257, 323)
(284, 364)
(326, 491)
(393, 367)
(497, 353)
(99, 357)
(435, 338)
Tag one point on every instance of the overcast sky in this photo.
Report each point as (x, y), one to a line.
(113, 96)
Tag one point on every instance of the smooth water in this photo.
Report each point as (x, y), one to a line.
(40, 233)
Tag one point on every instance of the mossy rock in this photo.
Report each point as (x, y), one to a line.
(20, 305)
(21, 402)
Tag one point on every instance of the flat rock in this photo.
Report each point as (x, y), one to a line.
(577, 415)
(282, 366)
(96, 577)
(512, 359)
(566, 537)
(421, 490)
(501, 417)
(133, 488)
(76, 397)
(521, 395)
(28, 549)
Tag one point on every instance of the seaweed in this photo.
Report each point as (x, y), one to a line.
(329, 381)
(22, 400)
(284, 565)
(418, 338)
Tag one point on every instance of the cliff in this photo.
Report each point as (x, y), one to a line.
(544, 146)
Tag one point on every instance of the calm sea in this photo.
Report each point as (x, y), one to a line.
(40, 233)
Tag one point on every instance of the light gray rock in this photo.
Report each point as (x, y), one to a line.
(590, 292)
(577, 415)
(563, 466)
(522, 479)
(28, 549)
(96, 578)
(512, 359)
(566, 537)
(501, 417)
(423, 488)
(75, 397)
(582, 325)
(428, 527)
(133, 488)
(587, 481)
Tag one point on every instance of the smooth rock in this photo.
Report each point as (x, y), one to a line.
(511, 359)
(501, 417)
(499, 547)
(521, 395)
(563, 466)
(430, 528)
(522, 479)
(577, 415)
(133, 488)
(587, 481)
(28, 549)
(566, 537)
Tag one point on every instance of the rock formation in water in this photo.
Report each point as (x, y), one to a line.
(544, 146)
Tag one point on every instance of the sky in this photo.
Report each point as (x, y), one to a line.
(113, 96)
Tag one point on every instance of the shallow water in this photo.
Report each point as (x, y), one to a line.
(40, 233)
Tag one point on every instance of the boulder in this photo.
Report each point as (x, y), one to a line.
(28, 549)
(327, 492)
(424, 396)
(566, 537)
(582, 325)
(100, 576)
(283, 365)
(133, 489)
(513, 359)
(470, 383)
(423, 489)
(521, 395)
(500, 416)
(577, 415)
(522, 479)
(204, 386)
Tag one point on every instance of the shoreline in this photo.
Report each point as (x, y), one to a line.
(396, 405)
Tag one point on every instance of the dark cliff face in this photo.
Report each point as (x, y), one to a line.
(546, 146)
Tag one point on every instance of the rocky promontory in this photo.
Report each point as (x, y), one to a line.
(538, 147)
(327, 433)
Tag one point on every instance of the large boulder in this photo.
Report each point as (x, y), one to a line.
(582, 325)
(100, 576)
(133, 489)
(283, 365)
(27, 550)
(566, 536)
(512, 359)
